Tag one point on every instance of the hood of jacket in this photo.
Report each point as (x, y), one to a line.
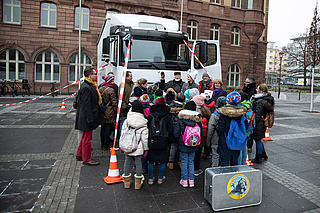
(190, 117)
(176, 107)
(159, 110)
(233, 111)
(136, 120)
(268, 103)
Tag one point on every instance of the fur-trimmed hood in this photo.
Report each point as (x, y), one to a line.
(233, 111)
(190, 115)
(176, 107)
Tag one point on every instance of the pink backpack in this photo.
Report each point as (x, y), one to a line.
(192, 135)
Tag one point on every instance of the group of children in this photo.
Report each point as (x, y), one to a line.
(170, 123)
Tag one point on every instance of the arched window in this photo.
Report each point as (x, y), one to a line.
(235, 36)
(85, 18)
(47, 67)
(192, 30)
(11, 64)
(233, 78)
(214, 32)
(74, 66)
(48, 14)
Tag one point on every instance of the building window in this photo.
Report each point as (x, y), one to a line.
(84, 18)
(270, 68)
(271, 51)
(250, 4)
(214, 32)
(236, 3)
(48, 15)
(47, 67)
(270, 63)
(11, 11)
(233, 78)
(235, 36)
(216, 1)
(270, 57)
(11, 64)
(74, 66)
(192, 29)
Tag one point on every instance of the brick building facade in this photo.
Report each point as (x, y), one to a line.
(39, 39)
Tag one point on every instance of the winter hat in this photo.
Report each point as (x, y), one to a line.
(193, 75)
(190, 106)
(108, 78)
(170, 89)
(198, 100)
(137, 92)
(137, 107)
(160, 101)
(187, 94)
(151, 89)
(158, 93)
(144, 99)
(205, 75)
(221, 101)
(233, 98)
(193, 92)
(170, 97)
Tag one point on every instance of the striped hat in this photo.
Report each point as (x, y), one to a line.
(108, 78)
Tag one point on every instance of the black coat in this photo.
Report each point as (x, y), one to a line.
(251, 89)
(160, 155)
(176, 85)
(262, 104)
(89, 114)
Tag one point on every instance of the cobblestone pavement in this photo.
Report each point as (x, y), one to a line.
(293, 167)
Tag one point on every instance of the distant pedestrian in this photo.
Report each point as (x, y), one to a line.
(176, 83)
(191, 77)
(89, 115)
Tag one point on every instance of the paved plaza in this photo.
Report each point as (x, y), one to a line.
(39, 172)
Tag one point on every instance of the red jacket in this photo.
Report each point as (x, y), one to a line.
(209, 87)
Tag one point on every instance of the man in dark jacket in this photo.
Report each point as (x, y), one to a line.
(175, 84)
(250, 87)
(206, 83)
(89, 115)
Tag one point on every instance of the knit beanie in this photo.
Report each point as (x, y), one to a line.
(193, 92)
(233, 98)
(144, 99)
(158, 93)
(221, 101)
(160, 101)
(193, 75)
(190, 106)
(170, 97)
(137, 107)
(198, 100)
(205, 75)
(137, 92)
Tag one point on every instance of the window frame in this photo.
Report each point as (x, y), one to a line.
(49, 9)
(76, 65)
(214, 28)
(235, 36)
(191, 27)
(17, 63)
(82, 16)
(12, 6)
(43, 64)
(216, 1)
(236, 4)
(233, 71)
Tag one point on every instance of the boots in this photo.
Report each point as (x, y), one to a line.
(127, 181)
(170, 165)
(138, 181)
(264, 155)
(257, 159)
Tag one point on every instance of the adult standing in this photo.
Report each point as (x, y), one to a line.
(206, 83)
(140, 88)
(89, 115)
(217, 90)
(262, 103)
(190, 83)
(115, 86)
(250, 86)
(109, 116)
(175, 84)
(128, 85)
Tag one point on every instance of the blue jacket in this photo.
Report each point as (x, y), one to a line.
(186, 118)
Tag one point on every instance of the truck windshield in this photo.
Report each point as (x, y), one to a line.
(157, 54)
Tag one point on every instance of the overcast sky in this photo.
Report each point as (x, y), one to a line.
(289, 18)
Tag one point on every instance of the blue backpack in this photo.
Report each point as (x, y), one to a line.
(236, 138)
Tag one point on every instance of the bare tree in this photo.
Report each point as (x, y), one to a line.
(313, 44)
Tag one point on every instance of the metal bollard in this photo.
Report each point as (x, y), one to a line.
(299, 94)
(40, 90)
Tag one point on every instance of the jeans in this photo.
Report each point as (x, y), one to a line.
(161, 170)
(128, 164)
(250, 142)
(259, 146)
(243, 156)
(105, 133)
(173, 151)
(215, 155)
(187, 165)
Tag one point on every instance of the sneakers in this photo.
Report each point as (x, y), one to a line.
(150, 181)
(198, 172)
(162, 181)
(184, 183)
(191, 183)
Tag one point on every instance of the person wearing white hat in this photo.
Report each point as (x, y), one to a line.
(191, 77)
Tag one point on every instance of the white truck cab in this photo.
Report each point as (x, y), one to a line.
(157, 46)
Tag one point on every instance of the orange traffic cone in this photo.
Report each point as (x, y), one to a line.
(248, 162)
(113, 174)
(267, 138)
(63, 106)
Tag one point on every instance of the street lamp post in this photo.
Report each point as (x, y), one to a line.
(281, 54)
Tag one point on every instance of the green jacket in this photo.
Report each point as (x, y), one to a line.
(126, 95)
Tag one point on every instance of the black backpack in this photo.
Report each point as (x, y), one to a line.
(158, 134)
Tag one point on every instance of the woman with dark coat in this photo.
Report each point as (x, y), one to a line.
(250, 87)
(159, 110)
(262, 103)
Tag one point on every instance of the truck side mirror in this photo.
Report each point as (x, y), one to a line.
(106, 46)
(203, 51)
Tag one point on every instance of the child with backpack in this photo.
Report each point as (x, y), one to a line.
(137, 121)
(188, 133)
(231, 128)
(160, 128)
(212, 134)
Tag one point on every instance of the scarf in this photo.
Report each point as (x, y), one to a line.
(96, 87)
(107, 84)
(216, 91)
